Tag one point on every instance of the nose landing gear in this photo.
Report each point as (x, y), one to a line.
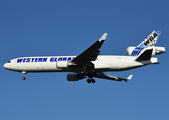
(24, 74)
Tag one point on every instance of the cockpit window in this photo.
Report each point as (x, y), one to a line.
(8, 61)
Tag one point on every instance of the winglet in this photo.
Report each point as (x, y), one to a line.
(129, 77)
(103, 37)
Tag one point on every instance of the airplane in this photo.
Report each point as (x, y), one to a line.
(89, 63)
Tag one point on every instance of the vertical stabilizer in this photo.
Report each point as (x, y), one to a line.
(148, 42)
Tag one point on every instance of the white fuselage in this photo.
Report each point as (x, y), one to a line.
(52, 63)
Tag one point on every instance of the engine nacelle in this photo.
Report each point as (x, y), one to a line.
(156, 50)
(74, 77)
(130, 50)
(62, 64)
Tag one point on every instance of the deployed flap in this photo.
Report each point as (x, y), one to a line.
(109, 77)
(91, 53)
(146, 55)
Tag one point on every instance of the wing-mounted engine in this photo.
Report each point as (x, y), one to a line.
(156, 50)
(62, 64)
(74, 77)
(66, 64)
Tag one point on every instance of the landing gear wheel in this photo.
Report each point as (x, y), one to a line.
(93, 81)
(89, 81)
(24, 78)
(24, 74)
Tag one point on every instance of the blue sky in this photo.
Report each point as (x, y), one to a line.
(45, 28)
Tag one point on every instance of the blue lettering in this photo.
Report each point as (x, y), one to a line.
(69, 58)
(24, 60)
(28, 60)
(19, 60)
(60, 59)
(32, 59)
(64, 59)
(51, 59)
(55, 59)
(40, 60)
(45, 59)
(36, 59)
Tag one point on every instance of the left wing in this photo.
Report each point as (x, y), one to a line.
(89, 54)
(109, 77)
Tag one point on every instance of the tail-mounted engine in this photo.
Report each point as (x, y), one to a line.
(156, 50)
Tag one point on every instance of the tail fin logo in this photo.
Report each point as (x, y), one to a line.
(152, 38)
(149, 41)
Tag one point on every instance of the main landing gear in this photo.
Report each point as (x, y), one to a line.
(91, 80)
(90, 75)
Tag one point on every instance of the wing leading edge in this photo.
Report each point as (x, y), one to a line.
(89, 54)
(92, 52)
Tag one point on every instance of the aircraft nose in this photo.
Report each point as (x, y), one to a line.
(5, 66)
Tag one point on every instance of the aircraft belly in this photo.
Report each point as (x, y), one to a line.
(101, 65)
(32, 67)
(124, 65)
(120, 63)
